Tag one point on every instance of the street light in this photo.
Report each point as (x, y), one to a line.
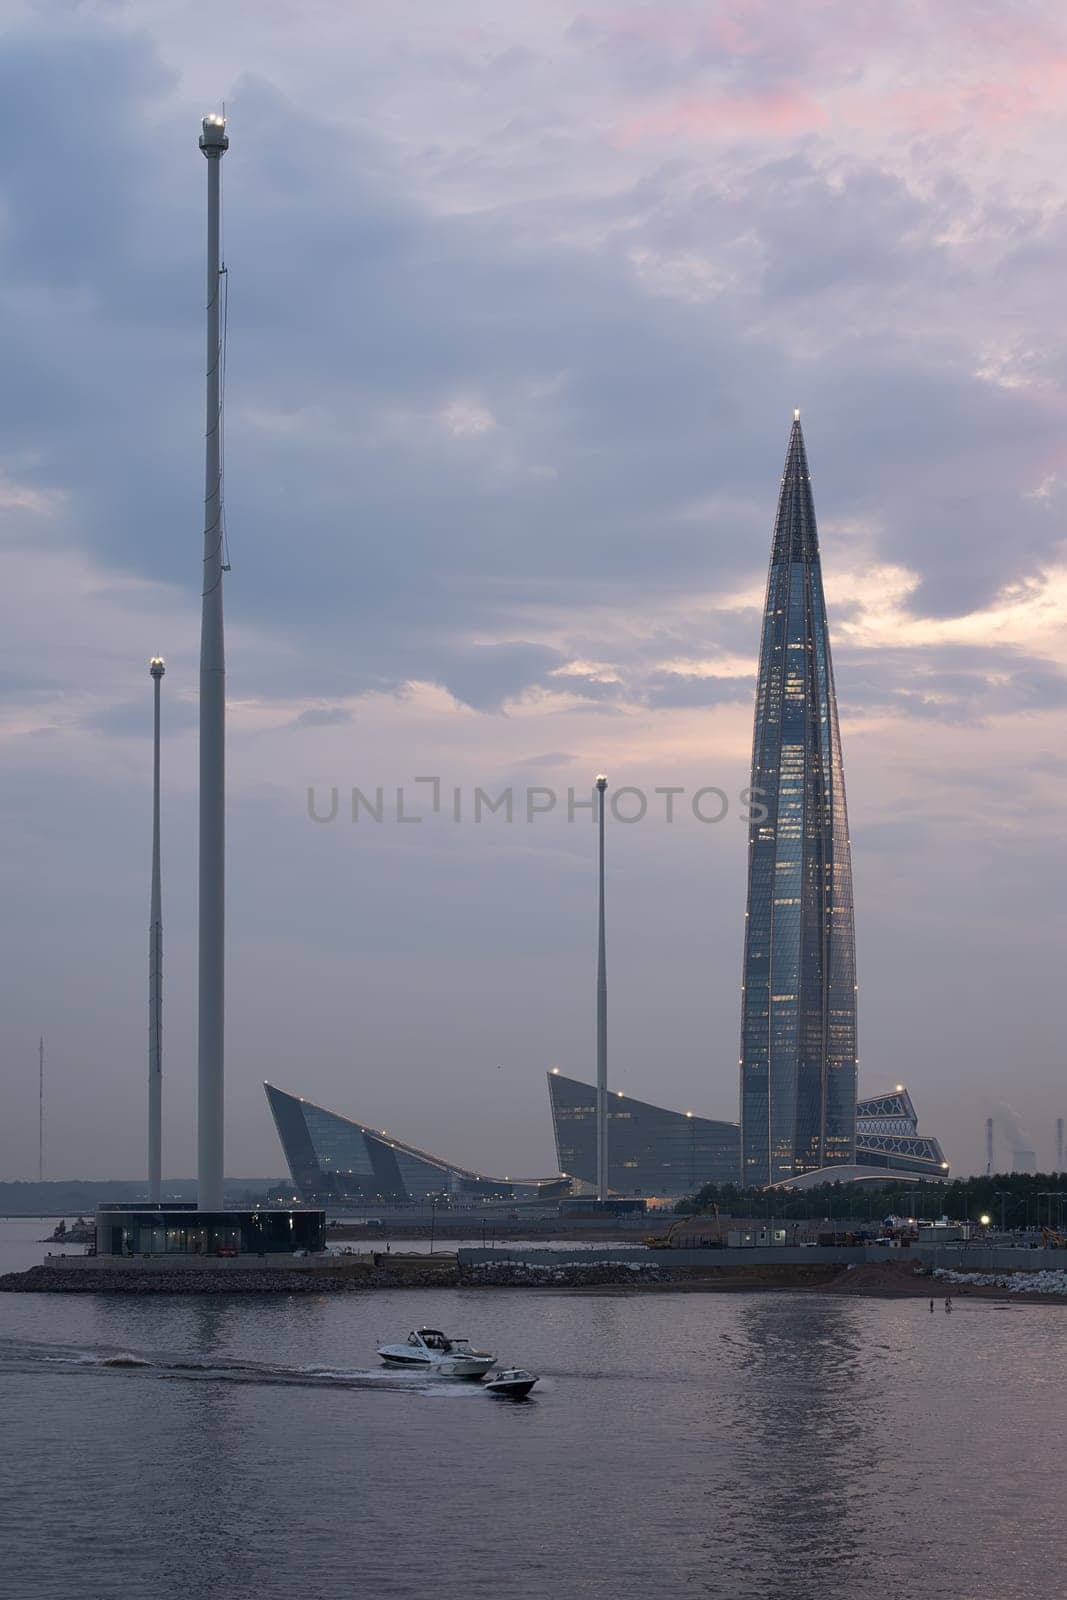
(1002, 1195)
(985, 1219)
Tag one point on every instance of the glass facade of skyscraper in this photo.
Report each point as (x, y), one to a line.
(798, 1028)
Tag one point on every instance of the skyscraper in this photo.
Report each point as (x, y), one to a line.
(798, 1013)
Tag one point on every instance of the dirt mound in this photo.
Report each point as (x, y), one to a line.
(882, 1277)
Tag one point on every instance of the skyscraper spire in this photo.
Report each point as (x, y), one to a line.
(798, 1025)
(796, 538)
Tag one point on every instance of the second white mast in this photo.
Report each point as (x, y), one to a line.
(210, 1055)
(157, 668)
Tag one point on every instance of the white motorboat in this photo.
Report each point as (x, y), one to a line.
(514, 1383)
(429, 1350)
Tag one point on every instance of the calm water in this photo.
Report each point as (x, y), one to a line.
(756, 1447)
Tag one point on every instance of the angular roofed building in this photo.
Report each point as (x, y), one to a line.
(336, 1158)
(652, 1152)
(667, 1154)
(887, 1135)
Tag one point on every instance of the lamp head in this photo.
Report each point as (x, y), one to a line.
(213, 140)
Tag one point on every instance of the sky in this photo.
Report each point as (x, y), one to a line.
(521, 300)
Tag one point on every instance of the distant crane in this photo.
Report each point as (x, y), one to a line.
(989, 1147)
(40, 1110)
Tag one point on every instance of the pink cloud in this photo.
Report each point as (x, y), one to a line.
(775, 111)
(1028, 91)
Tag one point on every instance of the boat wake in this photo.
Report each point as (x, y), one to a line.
(27, 1356)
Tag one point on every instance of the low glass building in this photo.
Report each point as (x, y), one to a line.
(652, 1152)
(182, 1230)
(668, 1154)
(334, 1158)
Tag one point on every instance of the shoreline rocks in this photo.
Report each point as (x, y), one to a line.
(254, 1281)
(324, 1280)
(352, 1277)
(571, 1275)
(1046, 1280)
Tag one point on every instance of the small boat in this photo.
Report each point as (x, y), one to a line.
(514, 1383)
(429, 1350)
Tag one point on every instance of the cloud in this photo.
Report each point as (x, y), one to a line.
(520, 304)
(324, 717)
(484, 676)
(676, 689)
(779, 111)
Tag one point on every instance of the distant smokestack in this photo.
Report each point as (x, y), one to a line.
(1020, 1140)
(1059, 1144)
(989, 1147)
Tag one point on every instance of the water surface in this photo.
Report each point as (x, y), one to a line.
(755, 1447)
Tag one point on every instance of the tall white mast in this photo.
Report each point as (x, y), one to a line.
(601, 1017)
(156, 667)
(214, 143)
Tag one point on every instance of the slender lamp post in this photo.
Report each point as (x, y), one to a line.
(214, 143)
(1001, 1195)
(156, 667)
(40, 1110)
(601, 1017)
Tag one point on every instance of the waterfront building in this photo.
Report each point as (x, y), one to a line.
(183, 1230)
(798, 1027)
(666, 1154)
(887, 1135)
(652, 1152)
(335, 1158)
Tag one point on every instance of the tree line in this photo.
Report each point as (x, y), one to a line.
(1010, 1199)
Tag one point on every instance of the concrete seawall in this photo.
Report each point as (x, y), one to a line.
(964, 1258)
(765, 1267)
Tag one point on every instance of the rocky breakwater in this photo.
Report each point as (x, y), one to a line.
(1044, 1282)
(569, 1275)
(324, 1279)
(340, 1275)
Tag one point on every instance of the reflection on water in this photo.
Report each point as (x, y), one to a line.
(804, 1415)
(770, 1447)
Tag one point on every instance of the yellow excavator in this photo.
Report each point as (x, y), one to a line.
(1052, 1240)
(665, 1241)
